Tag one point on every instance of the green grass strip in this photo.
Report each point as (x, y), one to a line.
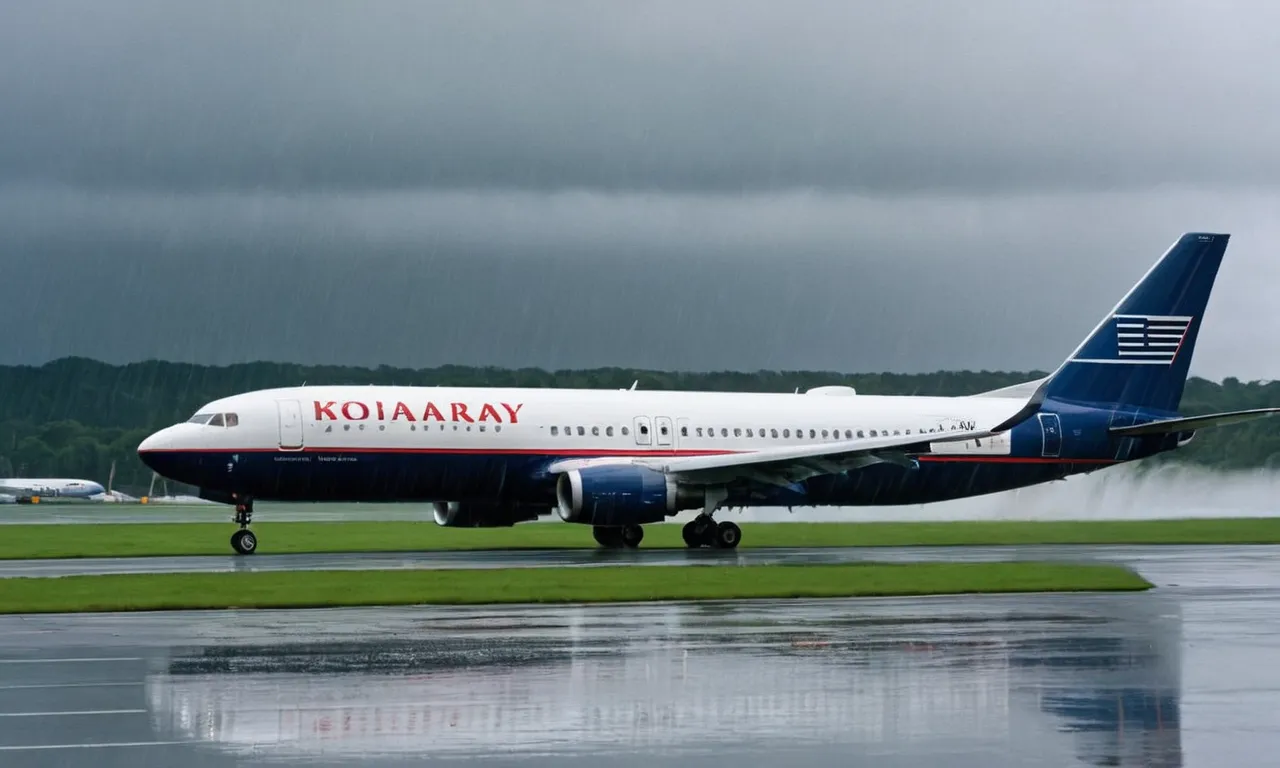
(143, 539)
(323, 589)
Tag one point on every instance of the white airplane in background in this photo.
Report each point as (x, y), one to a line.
(620, 459)
(21, 489)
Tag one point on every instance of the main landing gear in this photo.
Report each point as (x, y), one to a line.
(243, 541)
(704, 531)
(617, 537)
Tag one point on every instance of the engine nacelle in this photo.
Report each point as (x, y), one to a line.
(463, 514)
(621, 495)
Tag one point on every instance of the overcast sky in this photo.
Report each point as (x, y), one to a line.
(857, 186)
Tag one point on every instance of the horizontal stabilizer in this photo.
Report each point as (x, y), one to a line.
(1191, 423)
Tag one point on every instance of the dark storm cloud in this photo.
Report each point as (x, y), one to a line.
(713, 95)
(730, 184)
(684, 282)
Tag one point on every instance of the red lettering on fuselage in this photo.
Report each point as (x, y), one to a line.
(354, 410)
(349, 406)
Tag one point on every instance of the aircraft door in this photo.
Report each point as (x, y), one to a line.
(664, 433)
(290, 412)
(1051, 434)
(643, 436)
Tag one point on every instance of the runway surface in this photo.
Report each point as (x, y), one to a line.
(1164, 565)
(1181, 675)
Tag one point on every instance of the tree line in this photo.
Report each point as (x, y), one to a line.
(75, 417)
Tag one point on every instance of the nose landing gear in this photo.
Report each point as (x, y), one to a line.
(243, 541)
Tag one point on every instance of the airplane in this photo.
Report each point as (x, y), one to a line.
(16, 490)
(621, 459)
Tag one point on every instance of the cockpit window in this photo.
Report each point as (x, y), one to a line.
(215, 419)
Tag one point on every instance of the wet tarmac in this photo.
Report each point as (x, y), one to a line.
(1181, 675)
(1166, 565)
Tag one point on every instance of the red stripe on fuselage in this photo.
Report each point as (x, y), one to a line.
(1011, 460)
(505, 451)
(606, 453)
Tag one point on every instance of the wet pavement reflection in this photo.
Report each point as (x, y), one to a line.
(1022, 680)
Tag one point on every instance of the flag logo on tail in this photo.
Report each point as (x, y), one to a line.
(1150, 338)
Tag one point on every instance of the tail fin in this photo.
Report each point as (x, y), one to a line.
(1140, 353)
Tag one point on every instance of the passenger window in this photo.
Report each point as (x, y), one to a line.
(786, 433)
(608, 431)
(699, 431)
(873, 433)
(724, 431)
(216, 421)
(582, 431)
(737, 432)
(773, 433)
(824, 434)
(848, 434)
(750, 433)
(860, 434)
(595, 431)
(555, 431)
(626, 430)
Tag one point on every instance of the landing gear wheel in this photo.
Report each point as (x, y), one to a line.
(609, 537)
(727, 535)
(632, 535)
(244, 542)
(699, 532)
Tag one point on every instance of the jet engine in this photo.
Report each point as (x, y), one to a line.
(464, 514)
(621, 495)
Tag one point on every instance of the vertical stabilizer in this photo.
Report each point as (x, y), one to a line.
(1140, 354)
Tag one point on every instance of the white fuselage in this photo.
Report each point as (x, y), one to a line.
(561, 422)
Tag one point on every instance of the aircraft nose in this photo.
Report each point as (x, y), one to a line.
(153, 442)
(151, 449)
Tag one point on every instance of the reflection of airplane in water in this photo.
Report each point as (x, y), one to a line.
(1103, 690)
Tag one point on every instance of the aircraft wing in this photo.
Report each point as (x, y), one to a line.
(1189, 423)
(784, 466)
